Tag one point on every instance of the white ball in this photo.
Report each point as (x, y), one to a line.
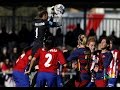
(59, 9)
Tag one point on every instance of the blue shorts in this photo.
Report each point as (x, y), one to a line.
(48, 78)
(112, 82)
(21, 79)
(59, 81)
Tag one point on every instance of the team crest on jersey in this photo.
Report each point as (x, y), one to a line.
(103, 56)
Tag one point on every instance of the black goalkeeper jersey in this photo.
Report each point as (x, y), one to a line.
(41, 32)
(42, 27)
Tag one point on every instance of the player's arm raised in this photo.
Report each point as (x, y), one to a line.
(31, 64)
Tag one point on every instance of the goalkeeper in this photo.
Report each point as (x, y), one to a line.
(42, 26)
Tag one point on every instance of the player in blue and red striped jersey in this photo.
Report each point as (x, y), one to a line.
(105, 57)
(82, 54)
(49, 58)
(113, 67)
(91, 43)
(21, 79)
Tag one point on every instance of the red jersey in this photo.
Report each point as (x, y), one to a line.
(22, 61)
(48, 60)
(4, 67)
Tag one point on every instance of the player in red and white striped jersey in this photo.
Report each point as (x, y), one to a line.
(113, 67)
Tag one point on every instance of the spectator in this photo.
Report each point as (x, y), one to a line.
(69, 39)
(76, 32)
(6, 66)
(92, 34)
(4, 54)
(13, 39)
(4, 37)
(24, 36)
(14, 55)
(103, 35)
(59, 38)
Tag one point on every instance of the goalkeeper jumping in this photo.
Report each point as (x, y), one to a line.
(42, 26)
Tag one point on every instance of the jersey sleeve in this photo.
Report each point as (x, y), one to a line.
(61, 58)
(109, 60)
(52, 24)
(28, 53)
(73, 55)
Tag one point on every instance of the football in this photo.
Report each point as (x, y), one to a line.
(59, 9)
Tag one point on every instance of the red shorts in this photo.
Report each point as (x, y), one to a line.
(82, 83)
(101, 83)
